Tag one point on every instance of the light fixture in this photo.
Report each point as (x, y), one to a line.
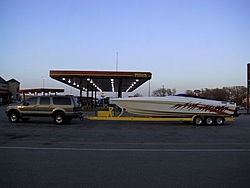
(69, 81)
(63, 78)
(112, 85)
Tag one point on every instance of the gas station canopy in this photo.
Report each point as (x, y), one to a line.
(103, 81)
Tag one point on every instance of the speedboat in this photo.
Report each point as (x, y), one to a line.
(180, 105)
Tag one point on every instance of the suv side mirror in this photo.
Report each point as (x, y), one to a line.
(25, 103)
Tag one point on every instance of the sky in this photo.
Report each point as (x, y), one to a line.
(185, 44)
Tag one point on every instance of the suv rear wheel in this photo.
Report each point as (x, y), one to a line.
(14, 117)
(59, 118)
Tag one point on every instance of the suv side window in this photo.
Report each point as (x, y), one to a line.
(61, 101)
(44, 101)
(32, 101)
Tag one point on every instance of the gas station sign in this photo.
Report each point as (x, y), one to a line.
(248, 86)
(248, 78)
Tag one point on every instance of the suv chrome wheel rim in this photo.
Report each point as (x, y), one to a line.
(13, 117)
(59, 119)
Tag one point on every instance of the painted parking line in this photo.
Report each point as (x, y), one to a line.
(129, 149)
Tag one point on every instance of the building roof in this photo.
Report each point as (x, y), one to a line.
(104, 81)
(2, 80)
(13, 80)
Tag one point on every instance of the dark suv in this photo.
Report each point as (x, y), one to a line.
(61, 108)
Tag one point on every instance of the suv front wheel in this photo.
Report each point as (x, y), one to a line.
(14, 117)
(59, 118)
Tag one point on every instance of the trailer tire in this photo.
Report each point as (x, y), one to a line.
(198, 120)
(209, 120)
(219, 120)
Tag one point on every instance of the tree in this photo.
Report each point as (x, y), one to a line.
(189, 92)
(162, 92)
(218, 94)
(235, 94)
(137, 95)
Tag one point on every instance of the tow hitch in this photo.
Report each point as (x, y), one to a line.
(81, 115)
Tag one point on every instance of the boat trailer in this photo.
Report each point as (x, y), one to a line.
(109, 115)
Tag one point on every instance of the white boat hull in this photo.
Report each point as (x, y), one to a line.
(175, 106)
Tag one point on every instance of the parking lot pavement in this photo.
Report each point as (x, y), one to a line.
(121, 154)
(123, 134)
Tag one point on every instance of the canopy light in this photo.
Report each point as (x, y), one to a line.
(112, 85)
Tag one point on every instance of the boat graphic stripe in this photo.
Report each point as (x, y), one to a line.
(202, 107)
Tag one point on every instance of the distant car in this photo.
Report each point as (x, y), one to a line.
(61, 108)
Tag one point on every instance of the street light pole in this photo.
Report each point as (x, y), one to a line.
(44, 78)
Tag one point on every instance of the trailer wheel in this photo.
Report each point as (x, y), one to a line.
(209, 120)
(219, 120)
(198, 120)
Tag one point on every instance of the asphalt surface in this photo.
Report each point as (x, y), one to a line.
(89, 153)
